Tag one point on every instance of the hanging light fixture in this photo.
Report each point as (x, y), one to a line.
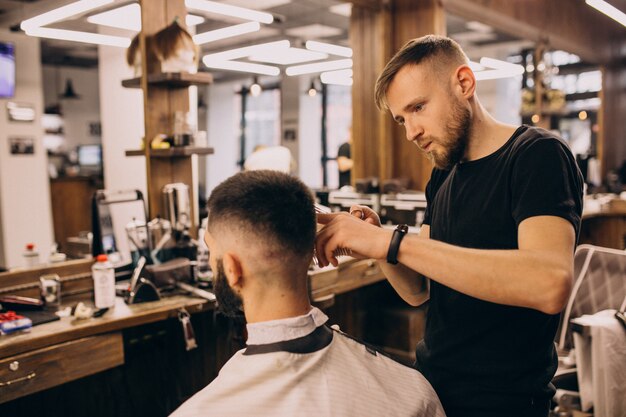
(312, 89)
(255, 88)
(69, 93)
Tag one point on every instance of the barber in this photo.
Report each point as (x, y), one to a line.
(495, 252)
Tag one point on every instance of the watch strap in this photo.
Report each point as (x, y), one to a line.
(398, 234)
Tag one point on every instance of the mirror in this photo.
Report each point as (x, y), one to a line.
(119, 217)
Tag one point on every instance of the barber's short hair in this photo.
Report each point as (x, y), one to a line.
(268, 205)
(440, 51)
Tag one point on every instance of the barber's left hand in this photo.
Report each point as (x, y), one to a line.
(364, 238)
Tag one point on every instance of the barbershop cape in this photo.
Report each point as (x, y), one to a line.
(300, 367)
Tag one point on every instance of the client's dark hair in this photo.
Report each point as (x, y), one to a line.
(270, 205)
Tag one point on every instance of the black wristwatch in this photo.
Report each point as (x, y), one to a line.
(394, 245)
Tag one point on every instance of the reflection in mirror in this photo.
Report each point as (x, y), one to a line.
(118, 218)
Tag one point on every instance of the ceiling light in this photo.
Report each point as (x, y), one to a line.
(344, 9)
(241, 66)
(287, 56)
(609, 10)
(228, 10)
(341, 77)
(86, 37)
(478, 27)
(247, 51)
(329, 48)
(312, 90)
(255, 88)
(319, 67)
(314, 31)
(494, 69)
(227, 32)
(62, 13)
(475, 66)
(129, 17)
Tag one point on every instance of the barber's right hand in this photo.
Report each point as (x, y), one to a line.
(366, 214)
(360, 232)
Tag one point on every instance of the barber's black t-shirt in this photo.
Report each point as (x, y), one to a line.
(479, 354)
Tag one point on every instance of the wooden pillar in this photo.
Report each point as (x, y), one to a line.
(612, 129)
(376, 33)
(160, 105)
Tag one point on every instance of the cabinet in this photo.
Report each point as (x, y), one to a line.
(41, 369)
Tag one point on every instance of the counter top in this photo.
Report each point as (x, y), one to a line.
(121, 317)
(326, 282)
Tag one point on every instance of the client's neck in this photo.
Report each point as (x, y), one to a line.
(275, 304)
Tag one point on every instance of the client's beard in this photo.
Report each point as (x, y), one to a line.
(229, 302)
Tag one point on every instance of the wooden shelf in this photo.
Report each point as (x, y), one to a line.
(172, 80)
(175, 152)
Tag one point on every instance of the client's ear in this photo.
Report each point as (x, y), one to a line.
(232, 269)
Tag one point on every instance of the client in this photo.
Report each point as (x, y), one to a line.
(261, 233)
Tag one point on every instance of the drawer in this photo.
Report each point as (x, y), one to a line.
(44, 368)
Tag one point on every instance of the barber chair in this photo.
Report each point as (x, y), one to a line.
(599, 284)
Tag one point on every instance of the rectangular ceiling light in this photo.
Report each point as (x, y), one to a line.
(247, 51)
(340, 77)
(227, 32)
(609, 10)
(241, 66)
(319, 67)
(228, 10)
(287, 56)
(86, 37)
(129, 17)
(61, 13)
(494, 69)
(329, 48)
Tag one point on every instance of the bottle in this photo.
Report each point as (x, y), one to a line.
(31, 256)
(103, 274)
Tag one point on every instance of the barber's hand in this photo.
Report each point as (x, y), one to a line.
(360, 232)
(366, 214)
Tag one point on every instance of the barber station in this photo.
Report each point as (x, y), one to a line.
(312, 208)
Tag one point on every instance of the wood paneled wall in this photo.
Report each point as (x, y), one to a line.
(379, 145)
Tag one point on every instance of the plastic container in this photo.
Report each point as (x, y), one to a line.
(31, 256)
(103, 274)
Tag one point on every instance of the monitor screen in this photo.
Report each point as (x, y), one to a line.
(7, 70)
(90, 156)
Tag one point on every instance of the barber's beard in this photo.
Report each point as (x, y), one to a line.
(455, 142)
(229, 302)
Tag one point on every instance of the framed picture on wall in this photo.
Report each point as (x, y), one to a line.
(22, 145)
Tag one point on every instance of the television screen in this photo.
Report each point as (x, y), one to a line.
(7, 70)
(90, 156)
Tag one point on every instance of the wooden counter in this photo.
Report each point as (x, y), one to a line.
(605, 226)
(58, 352)
(121, 317)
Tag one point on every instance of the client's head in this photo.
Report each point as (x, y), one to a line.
(260, 235)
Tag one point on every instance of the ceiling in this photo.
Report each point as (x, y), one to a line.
(295, 20)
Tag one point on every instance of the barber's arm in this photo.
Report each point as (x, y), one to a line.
(409, 284)
(538, 275)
